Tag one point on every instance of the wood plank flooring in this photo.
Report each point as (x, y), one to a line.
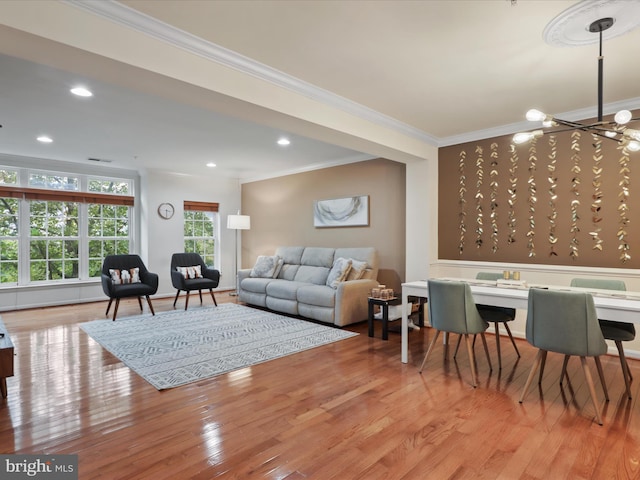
(348, 410)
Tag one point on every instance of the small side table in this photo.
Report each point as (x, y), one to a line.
(384, 306)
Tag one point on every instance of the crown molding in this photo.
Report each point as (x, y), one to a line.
(123, 15)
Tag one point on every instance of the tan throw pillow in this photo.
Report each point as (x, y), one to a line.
(265, 266)
(339, 271)
(357, 270)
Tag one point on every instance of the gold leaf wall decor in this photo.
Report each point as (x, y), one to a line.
(462, 203)
(553, 196)
(596, 196)
(623, 208)
(513, 179)
(479, 196)
(532, 199)
(575, 191)
(493, 195)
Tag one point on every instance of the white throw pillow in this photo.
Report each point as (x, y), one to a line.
(357, 270)
(265, 266)
(194, 271)
(130, 275)
(339, 271)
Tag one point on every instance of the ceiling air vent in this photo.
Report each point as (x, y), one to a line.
(101, 160)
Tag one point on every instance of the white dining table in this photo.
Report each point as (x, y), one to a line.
(622, 306)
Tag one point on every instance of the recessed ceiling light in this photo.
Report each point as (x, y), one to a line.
(81, 92)
(211, 164)
(284, 141)
(44, 139)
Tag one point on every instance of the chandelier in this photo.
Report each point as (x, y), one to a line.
(616, 130)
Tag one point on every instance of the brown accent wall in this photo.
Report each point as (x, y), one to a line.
(281, 211)
(592, 222)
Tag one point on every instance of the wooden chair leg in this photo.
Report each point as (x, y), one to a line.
(200, 292)
(186, 302)
(115, 309)
(108, 307)
(140, 303)
(542, 363)
(457, 346)
(532, 373)
(426, 355)
(213, 296)
(497, 332)
(513, 342)
(150, 306)
(486, 351)
(592, 389)
(601, 375)
(471, 361)
(626, 371)
(564, 368)
(176, 299)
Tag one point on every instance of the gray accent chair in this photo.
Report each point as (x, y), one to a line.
(148, 281)
(565, 322)
(453, 310)
(617, 331)
(210, 277)
(496, 315)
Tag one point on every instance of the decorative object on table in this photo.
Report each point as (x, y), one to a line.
(342, 212)
(617, 331)
(237, 222)
(166, 210)
(567, 323)
(575, 26)
(382, 292)
(452, 309)
(116, 285)
(176, 347)
(189, 273)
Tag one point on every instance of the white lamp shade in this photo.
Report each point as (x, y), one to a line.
(238, 222)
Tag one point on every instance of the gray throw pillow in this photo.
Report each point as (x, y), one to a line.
(265, 266)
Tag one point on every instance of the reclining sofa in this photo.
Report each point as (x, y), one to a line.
(311, 282)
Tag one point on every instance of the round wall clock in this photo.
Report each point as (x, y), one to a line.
(166, 210)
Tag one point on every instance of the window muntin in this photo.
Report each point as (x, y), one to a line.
(108, 233)
(200, 234)
(109, 185)
(9, 244)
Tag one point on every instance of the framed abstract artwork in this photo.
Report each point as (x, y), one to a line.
(341, 212)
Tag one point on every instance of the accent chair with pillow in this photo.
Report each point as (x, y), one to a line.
(330, 285)
(189, 273)
(126, 276)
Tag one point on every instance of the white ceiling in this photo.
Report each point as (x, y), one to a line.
(448, 71)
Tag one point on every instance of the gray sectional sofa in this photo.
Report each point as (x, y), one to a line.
(297, 284)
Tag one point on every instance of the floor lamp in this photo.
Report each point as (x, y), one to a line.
(238, 222)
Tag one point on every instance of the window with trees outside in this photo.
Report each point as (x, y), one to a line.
(56, 227)
(201, 230)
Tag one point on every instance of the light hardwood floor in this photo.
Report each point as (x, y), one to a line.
(348, 410)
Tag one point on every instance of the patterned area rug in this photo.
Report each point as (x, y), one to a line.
(178, 347)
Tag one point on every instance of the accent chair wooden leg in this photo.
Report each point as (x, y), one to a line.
(592, 389)
(213, 296)
(532, 374)
(474, 375)
(426, 355)
(564, 368)
(150, 306)
(601, 375)
(186, 302)
(140, 303)
(115, 309)
(176, 299)
(513, 342)
(486, 351)
(626, 371)
(542, 363)
(108, 307)
(200, 292)
(497, 332)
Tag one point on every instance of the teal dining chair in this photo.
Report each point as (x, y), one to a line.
(452, 310)
(565, 322)
(617, 331)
